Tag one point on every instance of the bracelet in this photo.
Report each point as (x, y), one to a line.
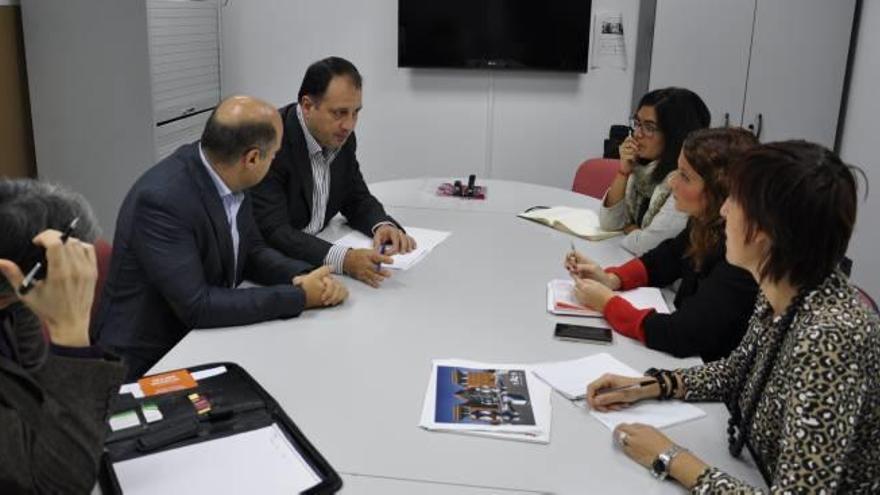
(667, 388)
(661, 382)
(673, 377)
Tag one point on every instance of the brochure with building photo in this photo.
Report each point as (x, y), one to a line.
(499, 401)
(482, 396)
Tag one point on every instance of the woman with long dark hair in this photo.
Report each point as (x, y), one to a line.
(803, 387)
(638, 200)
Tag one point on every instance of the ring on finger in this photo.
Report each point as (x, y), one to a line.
(621, 438)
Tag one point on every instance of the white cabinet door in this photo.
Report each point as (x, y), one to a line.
(798, 67)
(703, 45)
(184, 57)
(175, 134)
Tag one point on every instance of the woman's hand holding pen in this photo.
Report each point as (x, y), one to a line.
(614, 392)
(581, 267)
(63, 300)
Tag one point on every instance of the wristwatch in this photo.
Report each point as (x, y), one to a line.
(660, 466)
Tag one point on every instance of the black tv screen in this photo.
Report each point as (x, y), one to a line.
(504, 34)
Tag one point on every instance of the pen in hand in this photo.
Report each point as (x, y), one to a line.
(572, 259)
(382, 252)
(27, 283)
(643, 383)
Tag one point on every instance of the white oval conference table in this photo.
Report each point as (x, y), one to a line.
(354, 377)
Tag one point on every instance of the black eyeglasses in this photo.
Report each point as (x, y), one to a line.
(648, 129)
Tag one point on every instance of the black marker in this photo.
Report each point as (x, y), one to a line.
(27, 284)
(456, 189)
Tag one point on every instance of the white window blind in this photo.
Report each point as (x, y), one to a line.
(184, 57)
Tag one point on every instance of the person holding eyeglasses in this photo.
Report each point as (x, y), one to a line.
(710, 290)
(803, 387)
(637, 201)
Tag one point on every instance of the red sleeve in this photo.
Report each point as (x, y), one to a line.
(632, 274)
(625, 319)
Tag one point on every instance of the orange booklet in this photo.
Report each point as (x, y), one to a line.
(167, 382)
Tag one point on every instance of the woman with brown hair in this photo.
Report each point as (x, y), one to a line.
(803, 387)
(711, 289)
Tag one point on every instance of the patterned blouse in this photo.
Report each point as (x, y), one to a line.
(817, 425)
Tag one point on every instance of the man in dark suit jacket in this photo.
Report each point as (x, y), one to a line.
(316, 175)
(185, 239)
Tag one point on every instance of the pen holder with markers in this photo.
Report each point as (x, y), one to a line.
(458, 189)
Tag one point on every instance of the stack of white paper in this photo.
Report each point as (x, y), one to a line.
(570, 378)
(495, 400)
(426, 240)
(561, 300)
(257, 461)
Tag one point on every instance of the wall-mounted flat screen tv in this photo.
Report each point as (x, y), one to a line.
(503, 34)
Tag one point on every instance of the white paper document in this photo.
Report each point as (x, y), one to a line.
(502, 401)
(257, 461)
(570, 378)
(561, 300)
(426, 241)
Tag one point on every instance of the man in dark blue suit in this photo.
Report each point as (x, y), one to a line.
(316, 175)
(186, 237)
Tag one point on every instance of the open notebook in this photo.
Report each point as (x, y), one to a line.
(561, 300)
(570, 378)
(580, 222)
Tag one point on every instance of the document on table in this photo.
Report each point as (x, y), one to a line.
(577, 221)
(426, 241)
(561, 300)
(570, 378)
(257, 461)
(503, 401)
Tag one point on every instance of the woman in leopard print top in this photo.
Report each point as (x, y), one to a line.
(803, 386)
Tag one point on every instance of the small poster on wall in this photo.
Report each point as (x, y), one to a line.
(608, 49)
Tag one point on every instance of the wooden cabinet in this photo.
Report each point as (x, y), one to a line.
(16, 141)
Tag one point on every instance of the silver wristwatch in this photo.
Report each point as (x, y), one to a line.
(660, 466)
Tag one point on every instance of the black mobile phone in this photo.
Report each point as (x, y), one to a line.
(581, 333)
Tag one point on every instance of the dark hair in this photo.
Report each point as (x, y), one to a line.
(679, 111)
(710, 153)
(320, 73)
(226, 143)
(804, 198)
(28, 207)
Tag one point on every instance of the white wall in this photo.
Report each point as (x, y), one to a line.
(859, 146)
(528, 126)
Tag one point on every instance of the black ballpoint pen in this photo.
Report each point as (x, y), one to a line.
(27, 283)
